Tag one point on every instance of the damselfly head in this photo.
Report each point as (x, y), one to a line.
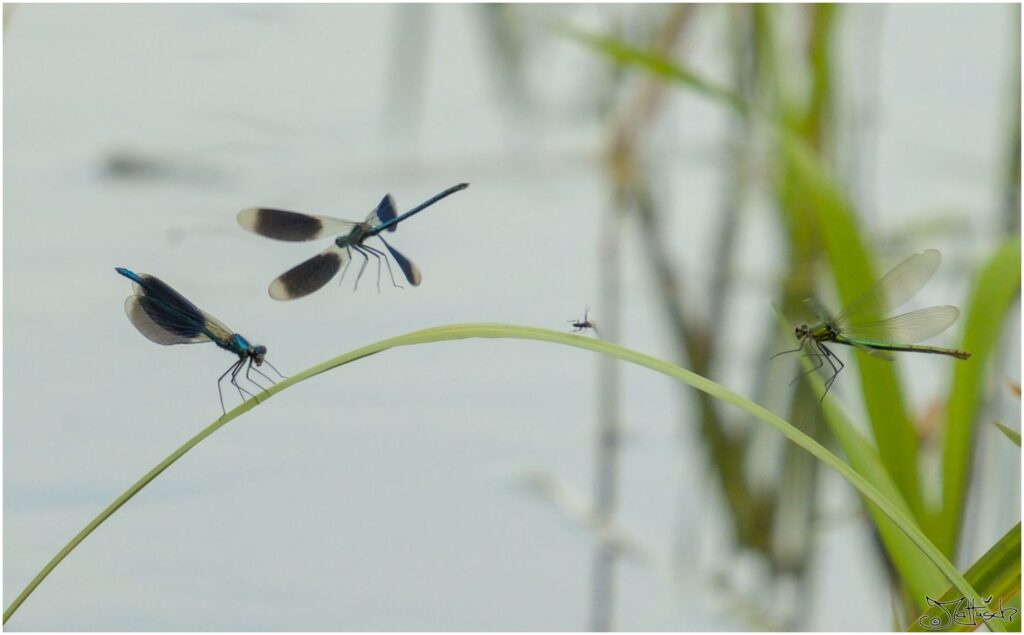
(258, 353)
(801, 331)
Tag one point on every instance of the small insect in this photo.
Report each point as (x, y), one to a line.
(584, 324)
(862, 323)
(314, 273)
(166, 317)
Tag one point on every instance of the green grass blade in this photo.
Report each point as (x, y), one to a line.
(993, 294)
(626, 55)
(920, 575)
(466, 331)
(996, 574)
(1010, 433)
(894, 434)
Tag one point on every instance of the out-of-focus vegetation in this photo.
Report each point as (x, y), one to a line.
(783, 104)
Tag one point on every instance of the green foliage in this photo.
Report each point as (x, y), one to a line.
(995, 575)
(819, 216)
(992, 296)
(622, 53)
(1010, 433)
(853, 272)
(920, 574)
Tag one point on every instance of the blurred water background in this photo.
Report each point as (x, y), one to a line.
(439, 487)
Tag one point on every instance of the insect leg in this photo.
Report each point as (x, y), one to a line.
(344, 270)
(275, 369)
(249, 368)
(235, 369)
(836, 359)
(219, 392)
(376, 254)
(362, 268)
(793, 350)
(818, 358)
(832, 359)
(387, 262)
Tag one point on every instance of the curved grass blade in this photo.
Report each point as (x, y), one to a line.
(996, 574)
(993, 294)
(893, 510)
(919, 574)
(894, 434)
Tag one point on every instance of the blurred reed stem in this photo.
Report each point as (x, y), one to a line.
(627, 126)
(1011, 177)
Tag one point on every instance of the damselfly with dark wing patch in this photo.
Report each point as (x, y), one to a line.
(314, 273)
(166, 317)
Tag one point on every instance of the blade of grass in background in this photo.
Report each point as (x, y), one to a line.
(622, 53)
(995, 574)
(993, 295)
(918, 573)
(848, 256)
(1010, 433)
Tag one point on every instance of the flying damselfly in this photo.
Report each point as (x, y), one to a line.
(314, 273)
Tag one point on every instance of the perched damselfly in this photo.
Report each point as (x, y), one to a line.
(166, 317)
(863, 324)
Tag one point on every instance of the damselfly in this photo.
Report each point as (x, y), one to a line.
(863, 323)
(314, 273)
(166, 317)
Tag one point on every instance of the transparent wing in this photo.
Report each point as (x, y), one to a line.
(891, 291)
(309, 276)
(280, 224)
(158, 329)
(818, 310)
(385, 212)
(908, 328)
